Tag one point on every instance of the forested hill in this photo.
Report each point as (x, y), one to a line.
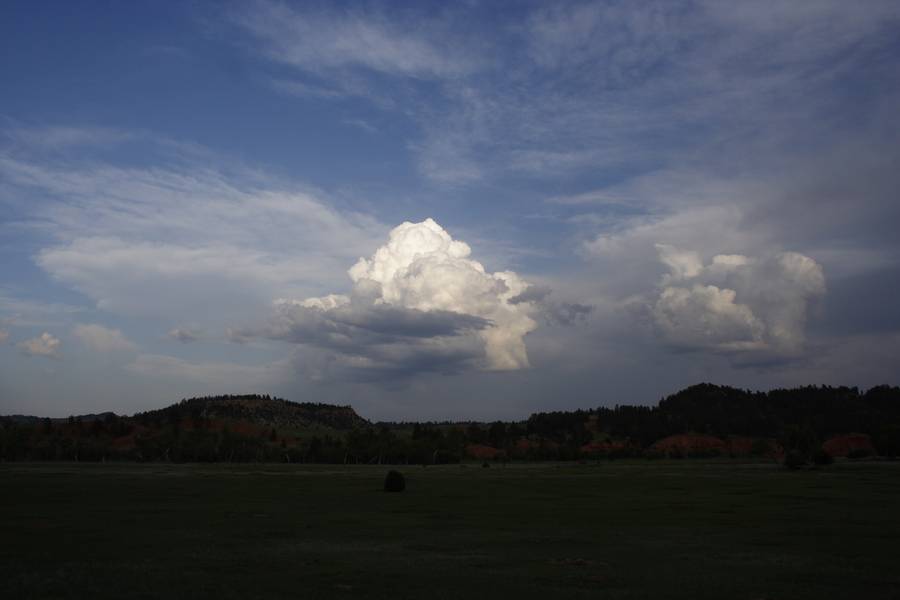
(259, 410)
(811, 412)
(702, 420)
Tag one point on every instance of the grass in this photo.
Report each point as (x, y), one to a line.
(682, 529)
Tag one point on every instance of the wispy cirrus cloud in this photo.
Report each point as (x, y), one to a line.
(54, 138)
(119, 234)
(587, 87)
(30, 312)
(102, 339)
(199, 376)
(321, 40)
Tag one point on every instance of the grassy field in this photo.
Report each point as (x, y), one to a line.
(683, 529)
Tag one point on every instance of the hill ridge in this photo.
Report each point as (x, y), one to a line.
(259, 409)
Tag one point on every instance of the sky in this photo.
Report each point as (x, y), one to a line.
(472, 210)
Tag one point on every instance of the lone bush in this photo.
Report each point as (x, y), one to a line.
(394, 482)
(858, 453)
(887, 441)
(795, 460)
(822, 458)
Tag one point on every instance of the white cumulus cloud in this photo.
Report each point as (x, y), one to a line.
(707, 316)
(418, 303)
(683, 264)
(44, 345)
(102, 339)
(736, 303)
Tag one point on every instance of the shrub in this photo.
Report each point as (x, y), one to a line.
(859, 453)
(760, 447)
(394, 482)
(887, 440)
(795, 460)
(822, 458)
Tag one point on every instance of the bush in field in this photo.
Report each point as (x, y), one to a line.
(394, 482)
(859, 453)
(822, 458)
(795, 460)
(760, 447)
(887, 440)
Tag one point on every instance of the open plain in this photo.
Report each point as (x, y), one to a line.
(619, 529)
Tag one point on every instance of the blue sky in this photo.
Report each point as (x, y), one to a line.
(625, 198)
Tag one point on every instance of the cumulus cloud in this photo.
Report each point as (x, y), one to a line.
(683, 264)
(705, 316)
(183, 335)
(736, 303)
(238, 336)
(533, 293)
(44, 345)
(418, 303)
(102, 339)
(550, 310)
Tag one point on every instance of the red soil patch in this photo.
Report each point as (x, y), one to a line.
(483, 452)
(129, 440)
(748, 446)
(524, 445)
(688, 443)
(842, 445)
(602, 447)
(126, 442)
(741, 446)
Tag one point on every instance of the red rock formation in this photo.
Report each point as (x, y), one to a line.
(690, 443)
(602, 447)
(842, 445)
(483, 452)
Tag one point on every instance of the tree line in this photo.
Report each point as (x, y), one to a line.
(265, 429)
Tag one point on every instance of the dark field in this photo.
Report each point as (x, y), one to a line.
(683, 529)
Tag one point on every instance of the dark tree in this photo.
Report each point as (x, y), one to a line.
(394, 482)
